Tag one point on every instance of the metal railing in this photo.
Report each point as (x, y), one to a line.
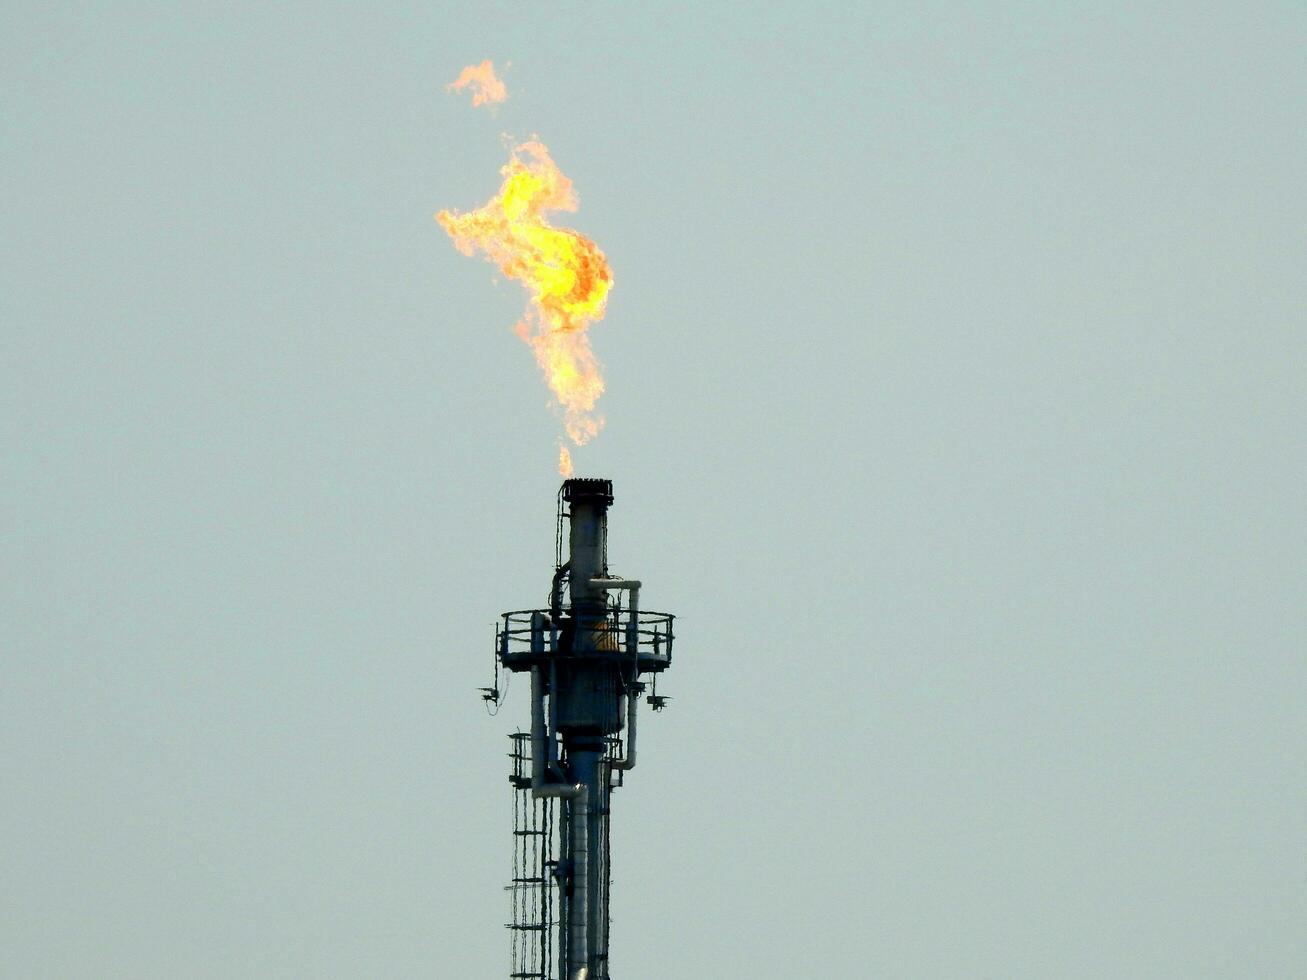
(530, 634)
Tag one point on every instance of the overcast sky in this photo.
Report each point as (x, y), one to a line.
(956, 404)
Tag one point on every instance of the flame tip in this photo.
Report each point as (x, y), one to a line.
(485, 86)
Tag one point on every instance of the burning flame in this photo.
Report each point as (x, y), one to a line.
(485, 85)
(565, 273)
(564, 461)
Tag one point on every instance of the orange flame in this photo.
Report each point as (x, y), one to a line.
(565, 272)
(564, 461)
(486, 86)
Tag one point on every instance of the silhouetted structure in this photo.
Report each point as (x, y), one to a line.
(585, 655)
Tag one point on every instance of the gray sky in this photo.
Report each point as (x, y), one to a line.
(956, 365)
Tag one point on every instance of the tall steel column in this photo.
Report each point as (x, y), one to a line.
(586, 655)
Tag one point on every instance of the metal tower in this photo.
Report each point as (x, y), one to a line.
(585, 655)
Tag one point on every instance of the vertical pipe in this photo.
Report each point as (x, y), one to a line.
(537, 729)
(552, 747)
(578, 913)
(591, 709)
(586, 908)
(587, 532)
(632, 702)
(633, 624)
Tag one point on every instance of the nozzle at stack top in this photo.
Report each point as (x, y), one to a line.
(585, 490)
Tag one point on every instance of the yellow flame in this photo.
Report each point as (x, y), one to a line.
(564, 461)
(566, 274)
(481, 79)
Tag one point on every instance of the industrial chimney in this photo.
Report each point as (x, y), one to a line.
(585, 655)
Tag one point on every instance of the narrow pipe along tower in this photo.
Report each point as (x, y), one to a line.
(585, 655)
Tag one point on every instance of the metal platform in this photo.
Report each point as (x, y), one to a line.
(530, 638)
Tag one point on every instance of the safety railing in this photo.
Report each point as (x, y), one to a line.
(528, 636)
